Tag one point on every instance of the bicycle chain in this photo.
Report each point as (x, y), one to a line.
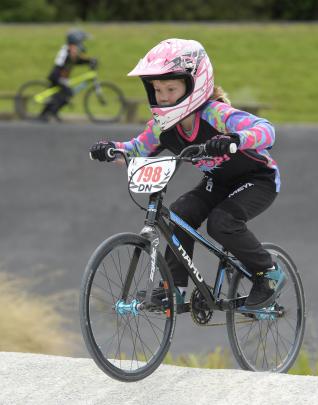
(194, 295)
(222, 323)
(194, 319)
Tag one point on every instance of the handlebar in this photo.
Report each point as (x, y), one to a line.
(111, 152)
(196, 151)
(233, 148)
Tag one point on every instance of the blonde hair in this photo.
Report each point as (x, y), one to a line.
(217, 95)
(220, 95)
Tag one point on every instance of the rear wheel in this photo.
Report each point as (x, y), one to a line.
(104, 103)
(127, 341)
(268, 339)
(25, 105)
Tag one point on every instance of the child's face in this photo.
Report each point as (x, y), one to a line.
(74, 51)
(167, 92)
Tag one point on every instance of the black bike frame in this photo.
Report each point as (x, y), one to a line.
(156, 212)
(155, 219)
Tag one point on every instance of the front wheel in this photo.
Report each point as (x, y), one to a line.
(104, 103)
(26, 107)
(268, 339)
(126, 341)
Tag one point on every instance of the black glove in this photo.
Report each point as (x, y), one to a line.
(99, 151)
(219, 145)
(93, 63)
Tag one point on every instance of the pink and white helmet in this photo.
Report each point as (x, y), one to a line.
(176, 59)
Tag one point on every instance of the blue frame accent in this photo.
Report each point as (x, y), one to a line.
(220, 282)
(178, 221)
(175, 240)
(184, 225)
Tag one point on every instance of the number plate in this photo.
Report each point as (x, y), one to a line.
(149, 175)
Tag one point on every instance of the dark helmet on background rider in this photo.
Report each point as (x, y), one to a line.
(77, 37)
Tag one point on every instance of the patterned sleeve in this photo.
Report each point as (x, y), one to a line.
(254, 132)
(144, 144)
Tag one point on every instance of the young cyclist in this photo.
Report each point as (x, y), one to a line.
(188, 109)
(70, 54)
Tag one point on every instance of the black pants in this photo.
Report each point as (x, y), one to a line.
(58, 100)
(227, 209)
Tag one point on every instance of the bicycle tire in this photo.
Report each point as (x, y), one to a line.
(106, 107)
(25, 105)
(122, 350)
(262, 336)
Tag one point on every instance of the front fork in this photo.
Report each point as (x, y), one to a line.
(149, 232)
(123, 307)
(99, 92)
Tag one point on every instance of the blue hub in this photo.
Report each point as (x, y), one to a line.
(123, 309)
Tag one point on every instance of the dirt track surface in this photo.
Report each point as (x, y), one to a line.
(56, 206)
(28, 379)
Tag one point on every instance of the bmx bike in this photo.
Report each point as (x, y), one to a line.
(103, 101)
(128, 337)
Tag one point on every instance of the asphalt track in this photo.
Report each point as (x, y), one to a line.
(57, 205)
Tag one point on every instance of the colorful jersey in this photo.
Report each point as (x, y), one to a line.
(256, 134)
(63, 64)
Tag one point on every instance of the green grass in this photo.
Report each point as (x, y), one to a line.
(304, 366)
(271, 64)
(218, 359)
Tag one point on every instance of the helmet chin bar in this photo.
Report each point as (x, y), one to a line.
(168, 116)
(168, 121)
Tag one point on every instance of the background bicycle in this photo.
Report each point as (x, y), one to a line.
(103, 101)
(128, 336)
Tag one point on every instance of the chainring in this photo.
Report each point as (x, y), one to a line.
(200, 312)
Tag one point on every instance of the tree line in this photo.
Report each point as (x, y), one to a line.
(157, 10)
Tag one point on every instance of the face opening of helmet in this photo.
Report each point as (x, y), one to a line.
(149, 81)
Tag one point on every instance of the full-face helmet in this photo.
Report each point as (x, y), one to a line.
(176, 59)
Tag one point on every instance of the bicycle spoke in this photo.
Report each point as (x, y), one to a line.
(109, 284)
(117, 271)
(272, 341)
(143, 349)
(153, 326)
(104, 103)
(124, 330)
